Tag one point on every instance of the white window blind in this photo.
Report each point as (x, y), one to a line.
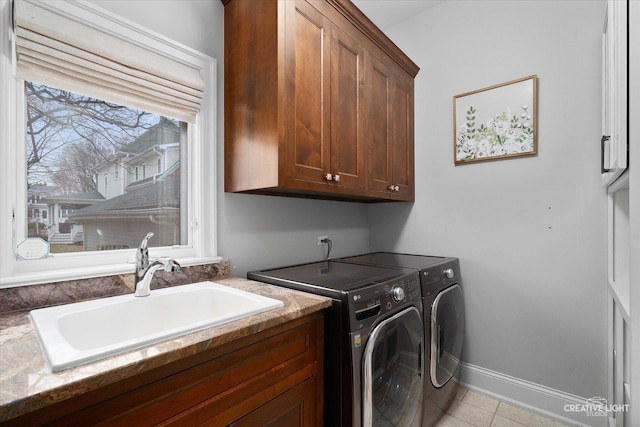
(71, 55)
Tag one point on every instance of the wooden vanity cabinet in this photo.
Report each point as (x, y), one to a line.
(297, 100)
(273, 377)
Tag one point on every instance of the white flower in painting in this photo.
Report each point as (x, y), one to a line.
(501, 134)
(484, 149)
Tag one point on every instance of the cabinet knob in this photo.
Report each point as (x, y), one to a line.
(393, 188)
(336, 178)
(328, 177)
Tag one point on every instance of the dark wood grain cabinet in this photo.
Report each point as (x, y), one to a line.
(323, 140)
(389, 131)
(299, 93)
(274, 377)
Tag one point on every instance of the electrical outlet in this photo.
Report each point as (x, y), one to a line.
(320, 239)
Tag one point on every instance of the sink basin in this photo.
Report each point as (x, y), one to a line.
(73, 334)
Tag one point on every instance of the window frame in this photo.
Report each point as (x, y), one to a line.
(200, 177)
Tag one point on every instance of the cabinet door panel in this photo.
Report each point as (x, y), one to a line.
(347, 151)
(378, 125)
(402, 136)
(294, 408)
(307, 86)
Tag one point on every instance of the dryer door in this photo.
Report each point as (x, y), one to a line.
(392, 372)
(447, 332)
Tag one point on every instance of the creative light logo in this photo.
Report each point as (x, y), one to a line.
(596, 407)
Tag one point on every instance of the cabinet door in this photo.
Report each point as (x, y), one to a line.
(402, 135)
(295, 408)
(378, 136)
(389, 130)
(307, 88)
(347, 110)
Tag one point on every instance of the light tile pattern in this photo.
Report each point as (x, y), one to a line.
(471, 409)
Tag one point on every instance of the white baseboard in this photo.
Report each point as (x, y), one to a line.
(536, 398)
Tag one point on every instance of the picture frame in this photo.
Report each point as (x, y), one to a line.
(496, 122)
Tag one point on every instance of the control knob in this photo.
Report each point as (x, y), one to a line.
(449, 273)
(398, 294)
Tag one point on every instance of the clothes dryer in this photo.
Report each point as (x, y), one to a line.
(441, 284)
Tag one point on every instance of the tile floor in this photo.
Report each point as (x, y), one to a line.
(471, 409)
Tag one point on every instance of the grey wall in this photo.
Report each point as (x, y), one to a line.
(253, 231)
(530, 232)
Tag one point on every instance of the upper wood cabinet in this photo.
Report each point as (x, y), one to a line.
(323, 140)
(389, 131)
(305, 112)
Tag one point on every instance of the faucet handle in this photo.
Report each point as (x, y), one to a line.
(170, 264)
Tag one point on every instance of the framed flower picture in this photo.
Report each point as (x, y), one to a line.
(496, 122)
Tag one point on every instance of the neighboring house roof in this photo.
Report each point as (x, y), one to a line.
(77, 200)
(151, 199)
(163, 132)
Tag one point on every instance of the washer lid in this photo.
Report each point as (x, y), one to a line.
(390, 259)
(328, 278)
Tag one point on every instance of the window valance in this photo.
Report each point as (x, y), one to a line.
(59, 50)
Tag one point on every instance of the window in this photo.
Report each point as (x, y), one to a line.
(73, 137)
(188, 233)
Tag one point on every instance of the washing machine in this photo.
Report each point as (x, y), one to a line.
(443, 302)
(374, 356)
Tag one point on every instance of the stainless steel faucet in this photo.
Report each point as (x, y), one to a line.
(145, 270)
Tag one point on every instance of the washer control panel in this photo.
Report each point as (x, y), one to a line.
(437, 277)
(368, 303)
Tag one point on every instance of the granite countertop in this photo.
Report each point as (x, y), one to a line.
(27, 383)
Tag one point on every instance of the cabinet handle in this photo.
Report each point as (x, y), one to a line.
(328, 177)
(604, 139)
(393, 188)
(336, 178)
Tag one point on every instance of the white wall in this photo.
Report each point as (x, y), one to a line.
(530, 231)
(253, 231)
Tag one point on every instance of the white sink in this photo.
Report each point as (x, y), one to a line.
(78, 333)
